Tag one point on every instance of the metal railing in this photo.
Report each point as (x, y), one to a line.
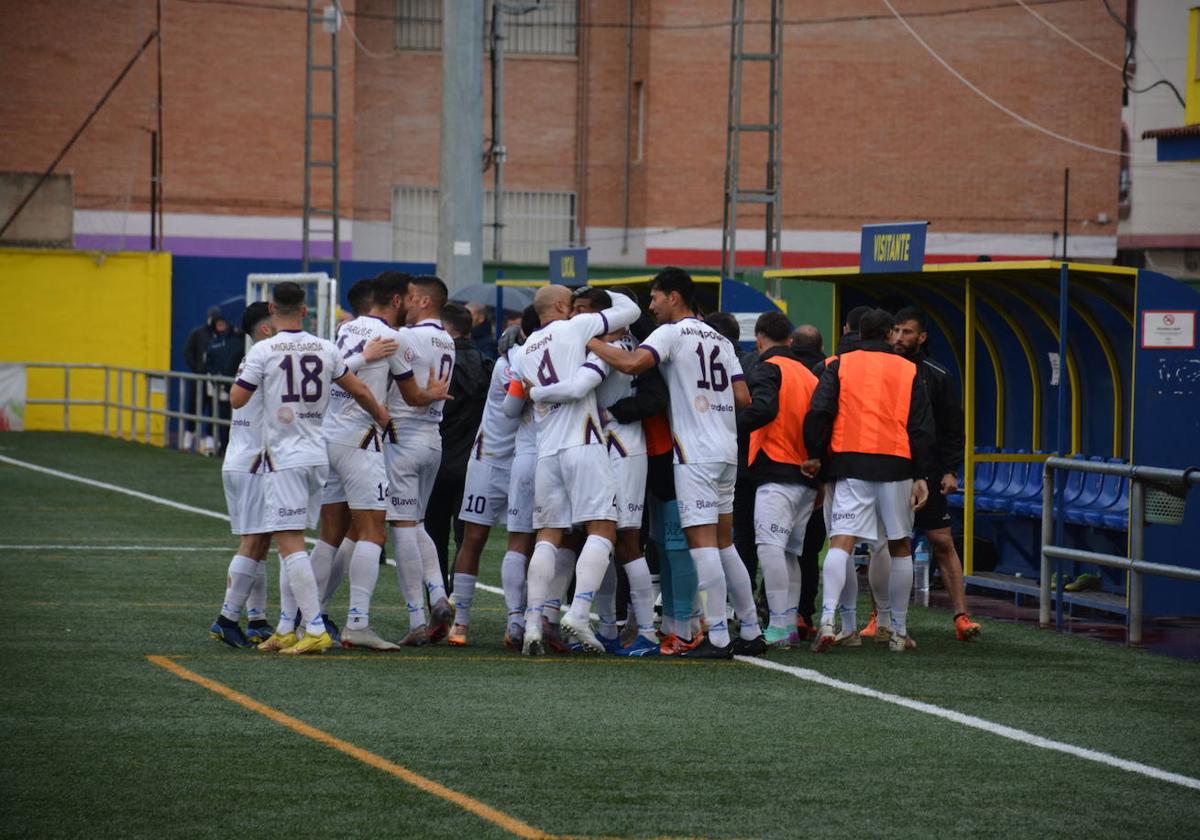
(136, 403)
(1177, 481)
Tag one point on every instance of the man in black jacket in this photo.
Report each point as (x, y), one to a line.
(460, 419)
(193, 357)
(809, 347)
(908, 339)
(221, 358)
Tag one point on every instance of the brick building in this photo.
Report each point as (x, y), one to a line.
(615, 120)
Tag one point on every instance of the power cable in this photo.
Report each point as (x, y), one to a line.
(1131, 43)
(1068, 37)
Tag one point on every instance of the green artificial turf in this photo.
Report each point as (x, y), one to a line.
(99, 741)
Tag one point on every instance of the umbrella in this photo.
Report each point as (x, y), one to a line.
(515, 298)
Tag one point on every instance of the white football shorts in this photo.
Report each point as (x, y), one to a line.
(871, 510)
(573, 486)
(293, 498)
(629, 475)
(520, 493)
(356, 476)
(244, 496)
(704, 491)
(412, 468)
(781, 513)
(485, 491)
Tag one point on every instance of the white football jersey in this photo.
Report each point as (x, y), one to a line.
(526, 442)
(623, 438)
(496, 438)
(244, 451)
(700, 367)
(345, 420)
(423, 346)
(555, 353)
(291, 374)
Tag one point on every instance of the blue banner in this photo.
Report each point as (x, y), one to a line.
(569, 266)
(892, 247)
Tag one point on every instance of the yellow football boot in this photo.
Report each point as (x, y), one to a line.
(311, 644)
(278, 642)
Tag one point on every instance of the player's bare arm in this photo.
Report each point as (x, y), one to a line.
(239, 395)
(627, 361)
(358, 389)
(437, 389)
(741, 394)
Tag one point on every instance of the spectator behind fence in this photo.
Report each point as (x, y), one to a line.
(221, 358)
(193, 357)
(483, 330)
(460, 419)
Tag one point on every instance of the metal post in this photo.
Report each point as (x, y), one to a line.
(1062, 434)
(625, 190)
(1048, 478)
(498, 151)
(66, 399)
(460, 202)
(146, 408)
(336, 257)
(107, 371)
(305, 232)
(969, 434)
(153, 190)
(1137, 553)
(180, 423)
(120, 403)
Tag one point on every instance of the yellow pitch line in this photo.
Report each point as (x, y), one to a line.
(498, 818)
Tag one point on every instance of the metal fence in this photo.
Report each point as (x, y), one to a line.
(133, 397)
(1171, 482)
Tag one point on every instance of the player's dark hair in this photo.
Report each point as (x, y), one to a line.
(360, 295)
(774, 325)
(854, 317)
(673, 279)
(875, 324)
(725, 324)
(598, 299)
(432, 286)
(531, 322)
(288, 297)
(387, 285)
(457, 319)
(913, 313)
(254, 315)
(807, 339)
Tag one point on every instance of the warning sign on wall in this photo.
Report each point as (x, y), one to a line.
(1174, 329)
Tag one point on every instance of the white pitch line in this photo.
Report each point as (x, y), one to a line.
(1001, 730)
(220, 548)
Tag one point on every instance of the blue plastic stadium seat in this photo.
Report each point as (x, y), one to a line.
(984, 472)
(1112, 508)
(1031, 491)
(1010, 478)
(1093, 486)
(1072, 487)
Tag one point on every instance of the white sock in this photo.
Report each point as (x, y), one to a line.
(793, 571)
(605, 603)
(899, 588)
(364, 573)
(512, 580)
(777, 582)
(564, 570)
(589, 575)
(338, 571)
(464, 595)
(287, 602)
(711, 581)
(879, 575)
(737, 578)
(540, 579)
(321, 560)
(410, 574)
(641, 595)
(238, 583)
(435, 584)
(256, 601)
(848, 604)
(304, 586)
(833, 578)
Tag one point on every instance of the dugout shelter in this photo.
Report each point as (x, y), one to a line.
(1129, 391)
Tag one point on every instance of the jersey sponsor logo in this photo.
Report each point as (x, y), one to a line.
(338, 394)
(285, 415)
(633, 507)
(701, 403)
(706, 504)
(240, 422)
(848, 517)
(310, 415)
(409, 355)
(408, 502)
(289, 512)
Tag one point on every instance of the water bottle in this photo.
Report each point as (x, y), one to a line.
(921, 572)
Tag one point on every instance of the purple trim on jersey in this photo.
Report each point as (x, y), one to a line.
(289, 331)
(435, 324)
(247, 386)
(405, 375)
(591, 366)
(380, 320)
(653, 352)
(388, 433)
(615, 443)
(738, 377)
(604, 318)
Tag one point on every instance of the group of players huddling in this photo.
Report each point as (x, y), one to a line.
(586, 432)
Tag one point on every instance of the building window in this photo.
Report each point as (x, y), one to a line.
(534, 222)
(548, 28)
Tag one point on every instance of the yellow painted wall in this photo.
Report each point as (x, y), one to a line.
(72, 306)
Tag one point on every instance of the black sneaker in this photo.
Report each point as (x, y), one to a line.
(750, 647)
(707, 650)
(224, 630)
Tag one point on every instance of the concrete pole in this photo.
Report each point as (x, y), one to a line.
(460, 204)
